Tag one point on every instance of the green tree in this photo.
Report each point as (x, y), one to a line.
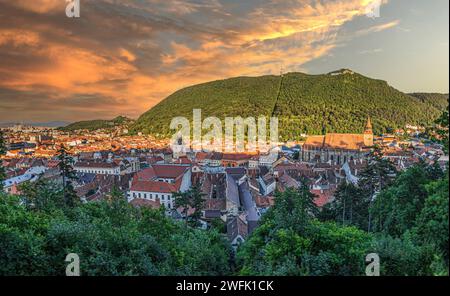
(434, 171)
(68, 176)
(402, 256)
(182, 200)
(41, 195)
(290, 241)
(378, 175)
(294, 207)
(395, 209)
(2, 152)
(190, 199)
(350, 206)
(443, 128)
(197, 203)
(433, 219)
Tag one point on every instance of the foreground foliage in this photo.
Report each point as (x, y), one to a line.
(110, 237)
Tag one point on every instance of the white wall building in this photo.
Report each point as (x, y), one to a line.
(100, 168)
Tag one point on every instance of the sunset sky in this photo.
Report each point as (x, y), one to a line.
(123, 57)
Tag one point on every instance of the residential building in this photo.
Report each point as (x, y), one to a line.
(159, 182)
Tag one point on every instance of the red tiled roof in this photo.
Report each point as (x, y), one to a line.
(152, 186)
(215, 204)
(337, 141)
(264, 201)
(315, 141)
(154, 159)
(146, 174)
(183, 160)
(161, 171)
(215, 156)
(323, 197)
(190, 210)
(139, 202)
(52, 163)
(201, 155)
(235, 156)
(344, 141)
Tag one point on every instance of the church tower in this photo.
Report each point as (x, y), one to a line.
(368, 134)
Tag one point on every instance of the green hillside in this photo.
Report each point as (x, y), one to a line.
(336, 102)
(97, 124)
(437, 100)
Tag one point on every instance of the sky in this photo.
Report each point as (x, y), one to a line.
(123, 57)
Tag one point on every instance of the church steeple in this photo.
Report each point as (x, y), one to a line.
(368, 133)
(368, 128)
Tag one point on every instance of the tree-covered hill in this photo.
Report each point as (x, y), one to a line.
(244, 96)
(437, 100)
(335, 102)
(97, 124)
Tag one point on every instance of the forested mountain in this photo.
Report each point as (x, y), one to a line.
(97, 124)
(437, 100)
(339, 101)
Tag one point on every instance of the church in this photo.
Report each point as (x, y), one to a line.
(336, 148)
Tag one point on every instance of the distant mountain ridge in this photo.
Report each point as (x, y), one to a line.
(50, 124)
(339, 101)
(97, 124)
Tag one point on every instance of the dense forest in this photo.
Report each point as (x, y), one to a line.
(313, 104)
(437, 100)
(97, 124)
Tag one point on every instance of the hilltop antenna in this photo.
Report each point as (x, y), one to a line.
(281, 70)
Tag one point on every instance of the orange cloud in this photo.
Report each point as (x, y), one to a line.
(138, 52)
(40, 6)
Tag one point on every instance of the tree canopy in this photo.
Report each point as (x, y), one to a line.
(110, 237)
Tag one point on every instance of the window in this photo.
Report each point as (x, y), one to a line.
(139, 194)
